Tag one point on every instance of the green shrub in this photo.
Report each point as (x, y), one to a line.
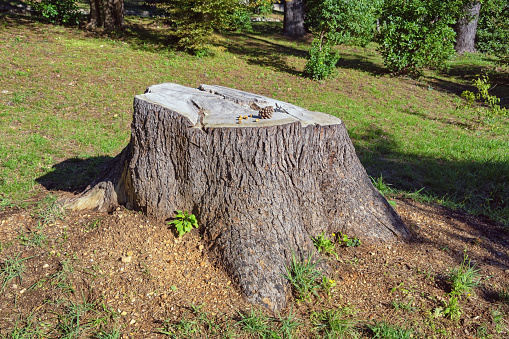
(193, 21)
(336, 22)
(416, 34)
(321, 62)
(57, 11)
(493, 29)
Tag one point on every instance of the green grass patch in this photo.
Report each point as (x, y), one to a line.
(66, 106)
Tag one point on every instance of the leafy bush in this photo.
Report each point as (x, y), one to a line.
(493, 29)
(415, 34)
(57, 11)
(336, 22)
(321, 61)
(193, 21)
(262, 7)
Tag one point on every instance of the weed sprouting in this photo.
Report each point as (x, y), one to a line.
(345, 240)
(50, 209)
(464, 278)
(451, 309)
(256, 323)
(184, 222)
(404, 306)
(497, 317)
(304, 277)
(114, 333)
(383, 330)
(34, 238)
(13, 267)
(503, 295)
(324, 244)
(333, 324)
(289, 325)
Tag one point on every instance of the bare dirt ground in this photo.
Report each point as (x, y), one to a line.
(138, 275)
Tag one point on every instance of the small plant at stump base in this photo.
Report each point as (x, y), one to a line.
(464, 278)
(184, 222)
(324, 244)
(304, 277)
(347, 241)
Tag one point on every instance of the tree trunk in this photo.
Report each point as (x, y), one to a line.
(295, 14)
(260, 189)
(466, 28)
(106, 13)
(96, 18)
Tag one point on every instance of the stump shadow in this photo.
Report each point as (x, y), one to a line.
(75, 174)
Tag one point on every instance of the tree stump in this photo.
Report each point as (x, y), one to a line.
(260, 188)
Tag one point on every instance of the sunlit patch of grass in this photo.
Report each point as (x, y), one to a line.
(413, 133)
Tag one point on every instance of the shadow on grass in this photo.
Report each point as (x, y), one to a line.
(477, 187)
(141, 36)
(74, 174)
(262, 52)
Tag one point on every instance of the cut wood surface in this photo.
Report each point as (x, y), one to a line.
(260, 189)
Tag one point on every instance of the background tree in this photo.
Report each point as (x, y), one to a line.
(106, 13)
(493, 29)
(295, 15)
(193, 21)
(415, 34)
(466, 27)
(336, 22)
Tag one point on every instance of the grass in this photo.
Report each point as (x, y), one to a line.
(384, 330)
(27, 329)
(49, 209)
(114, 333)
(414, 137)
(304, 277)
(289, 326)
(34, 238)
(414, 134)
(333, 324)
(256, 323)
(464, 278)
(12, 267)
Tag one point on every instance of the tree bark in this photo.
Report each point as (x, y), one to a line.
(260, 189)
(466, 28)
(295, 15)
(108, 14)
